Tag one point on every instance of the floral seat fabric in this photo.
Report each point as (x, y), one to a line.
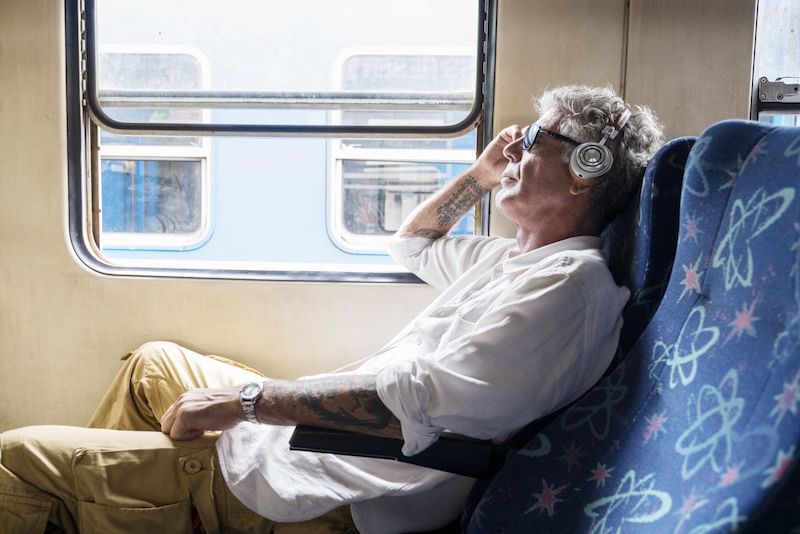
(696, 429)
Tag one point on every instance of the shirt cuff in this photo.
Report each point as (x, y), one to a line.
(402, 391)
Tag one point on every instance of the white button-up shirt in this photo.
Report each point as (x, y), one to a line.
(509, 340)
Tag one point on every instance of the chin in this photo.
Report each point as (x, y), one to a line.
(499, 200)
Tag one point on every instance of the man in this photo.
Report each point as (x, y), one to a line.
(522, 327)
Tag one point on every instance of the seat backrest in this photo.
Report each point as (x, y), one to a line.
(640, 242)
(640, 257)
(697, 428)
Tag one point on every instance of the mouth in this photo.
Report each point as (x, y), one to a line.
(508, 181)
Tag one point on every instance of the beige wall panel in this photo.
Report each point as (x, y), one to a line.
(547, 43)
(63, 329)
(691, 61)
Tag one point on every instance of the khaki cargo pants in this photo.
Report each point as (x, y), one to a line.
(122, 475)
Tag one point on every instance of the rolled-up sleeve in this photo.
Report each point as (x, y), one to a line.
(402, 389)
(441, 261)
(520, 361)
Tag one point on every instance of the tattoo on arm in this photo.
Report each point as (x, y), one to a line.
(468, 193)
(437, 215)
(344, 402)
(430, 233)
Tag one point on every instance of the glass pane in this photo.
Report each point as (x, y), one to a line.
(108, 138)
(778, 39)
(379, 195)
(151, 197)
(464, 142)
(267, 203)
(777, 55)
(779, 119)
(206, 62)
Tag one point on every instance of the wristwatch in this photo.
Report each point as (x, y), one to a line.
(248, 396)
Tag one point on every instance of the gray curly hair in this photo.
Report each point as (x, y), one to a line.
(582, 113)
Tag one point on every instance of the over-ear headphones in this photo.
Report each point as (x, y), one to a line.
(590, 162)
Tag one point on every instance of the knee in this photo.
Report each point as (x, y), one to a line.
(153, 354)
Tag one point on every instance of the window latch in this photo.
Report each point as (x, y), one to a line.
(779, 92)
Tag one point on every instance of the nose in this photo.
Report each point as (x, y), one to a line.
(513, 150)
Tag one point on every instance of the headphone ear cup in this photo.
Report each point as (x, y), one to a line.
(589, 163)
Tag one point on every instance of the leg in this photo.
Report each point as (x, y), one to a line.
(153, 376)
(96, 480)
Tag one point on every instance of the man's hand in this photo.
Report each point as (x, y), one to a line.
(199, 410)
(490, 164)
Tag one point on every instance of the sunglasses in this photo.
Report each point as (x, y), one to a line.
(533, 132)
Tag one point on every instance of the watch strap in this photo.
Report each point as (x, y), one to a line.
(249, 402)
(250, 412)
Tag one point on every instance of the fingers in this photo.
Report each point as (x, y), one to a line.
(181, 431)
(175, 423)
(168, 419)
(198, 410)
(512, 133)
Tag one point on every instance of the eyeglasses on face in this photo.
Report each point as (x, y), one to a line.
(533, 132)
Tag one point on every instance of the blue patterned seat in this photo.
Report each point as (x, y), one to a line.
(696, 429)
(640, 258)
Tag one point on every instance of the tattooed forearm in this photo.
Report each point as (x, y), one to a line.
(355, 409)
(438, 214)
(346, 402)
(468, 193)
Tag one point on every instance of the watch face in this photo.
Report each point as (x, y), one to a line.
(250, 391)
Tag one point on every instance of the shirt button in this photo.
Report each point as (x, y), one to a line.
(192, 466)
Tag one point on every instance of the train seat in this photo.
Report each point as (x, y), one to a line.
(696, 429)
(639, 256)
(640, 243)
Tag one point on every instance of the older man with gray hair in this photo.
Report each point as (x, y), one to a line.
(522, 327)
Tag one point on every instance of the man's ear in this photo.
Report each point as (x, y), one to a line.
(576, 189)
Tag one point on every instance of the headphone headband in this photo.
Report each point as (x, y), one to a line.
(612, 130)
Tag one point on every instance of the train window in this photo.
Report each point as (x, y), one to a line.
(154, 190)
(776, 65)
(376, 183)
(266, 57)
(260, 141)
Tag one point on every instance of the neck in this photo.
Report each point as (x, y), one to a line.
(531, 238)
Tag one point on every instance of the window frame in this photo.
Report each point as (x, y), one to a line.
(322, 130)
(83, 215)
(773, 97)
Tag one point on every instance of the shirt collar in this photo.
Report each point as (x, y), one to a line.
(523, 261)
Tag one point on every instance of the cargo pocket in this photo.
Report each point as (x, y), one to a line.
(98, 518)
(23, 515)
(131, 491)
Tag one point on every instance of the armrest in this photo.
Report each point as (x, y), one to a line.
(451, 452)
